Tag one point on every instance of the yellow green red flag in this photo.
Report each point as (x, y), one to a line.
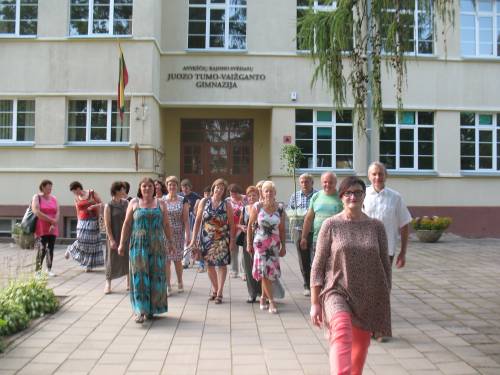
(122, 83)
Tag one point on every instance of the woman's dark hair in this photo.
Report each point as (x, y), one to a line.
(44, 183)
(75, 185)
(127, 186)
(116, 187)
(145, 180)
(207, 189)
(348, 182)
(186, 182)
(163, 187)
(219, 181)
(235, 188)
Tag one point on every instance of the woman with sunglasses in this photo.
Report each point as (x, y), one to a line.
(351, 281)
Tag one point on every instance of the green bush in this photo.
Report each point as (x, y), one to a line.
(23, 301)
(13, 315)
(34, 296)
(2, 343)
(431, 223)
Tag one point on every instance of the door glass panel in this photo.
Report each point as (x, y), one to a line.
(218, 159)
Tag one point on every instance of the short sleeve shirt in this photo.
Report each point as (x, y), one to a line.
(323, 206)
(387, 206)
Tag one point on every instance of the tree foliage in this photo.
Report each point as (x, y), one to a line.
(340, 40)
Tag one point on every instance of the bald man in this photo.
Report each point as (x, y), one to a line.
(324, 204)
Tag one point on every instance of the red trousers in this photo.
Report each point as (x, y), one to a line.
(348, 346)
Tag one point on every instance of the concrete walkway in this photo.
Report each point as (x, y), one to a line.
(446, 320)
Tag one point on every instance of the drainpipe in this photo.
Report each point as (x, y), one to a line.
(369, 114)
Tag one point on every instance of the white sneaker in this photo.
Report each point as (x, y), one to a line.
(306, 292)
(51, 274)
(169, 291)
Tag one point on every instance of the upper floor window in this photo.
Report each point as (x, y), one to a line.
(100, 17)
(17, 120)
(18, 17)
(325, 138)
(217, 24)
(417, 30)
(317, 6)
(98, 121)
(407, 140)
(480, 27)
(479, 141)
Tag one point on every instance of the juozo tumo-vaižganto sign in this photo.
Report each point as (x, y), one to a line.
(216, 76)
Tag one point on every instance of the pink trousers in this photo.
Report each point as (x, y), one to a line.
(348, 346)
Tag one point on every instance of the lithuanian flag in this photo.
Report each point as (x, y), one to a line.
(122, 83)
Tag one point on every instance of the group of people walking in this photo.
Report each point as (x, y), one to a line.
(345, 246)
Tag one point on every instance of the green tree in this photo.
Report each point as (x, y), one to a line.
(349, 43)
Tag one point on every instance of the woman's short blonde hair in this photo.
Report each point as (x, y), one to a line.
(269, 184)
(172, 179)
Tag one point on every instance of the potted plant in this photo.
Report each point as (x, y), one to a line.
(291, 156)
(22, 239)
(430, 229)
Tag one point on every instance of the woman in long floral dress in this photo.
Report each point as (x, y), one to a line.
(267, 241)
(178, 214)
(215, 216)
(147, 225)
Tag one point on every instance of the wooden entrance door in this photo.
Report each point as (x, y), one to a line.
(212, 149)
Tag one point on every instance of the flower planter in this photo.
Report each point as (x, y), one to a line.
(24, 241)
(432, 235)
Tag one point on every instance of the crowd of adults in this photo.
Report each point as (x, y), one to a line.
(345, 246)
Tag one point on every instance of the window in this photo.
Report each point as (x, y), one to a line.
(325, 138)
(6, 225)
(317, 6)
(479, 141)
(407, 140)
(97, 121)
(416, 16)
(18, 17)
(100, 17)
(70, 224)
(17, 120)
(480, 27)
(217, 24)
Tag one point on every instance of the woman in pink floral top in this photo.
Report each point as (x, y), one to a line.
(267, 240)
(351, 281)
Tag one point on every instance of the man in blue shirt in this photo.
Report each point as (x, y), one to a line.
(301, 200)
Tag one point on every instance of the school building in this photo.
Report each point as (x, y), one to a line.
(217, 87)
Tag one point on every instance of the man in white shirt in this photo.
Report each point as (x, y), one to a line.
(388, 206)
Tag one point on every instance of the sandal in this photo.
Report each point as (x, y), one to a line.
(218, 300)
(212, 296)
(272, 307)
(263, 303)
(139, 319)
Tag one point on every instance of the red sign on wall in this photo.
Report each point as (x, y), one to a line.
(287, 139)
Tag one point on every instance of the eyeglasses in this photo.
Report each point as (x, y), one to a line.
(356, 193)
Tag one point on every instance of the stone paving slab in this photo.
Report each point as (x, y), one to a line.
(445, 310)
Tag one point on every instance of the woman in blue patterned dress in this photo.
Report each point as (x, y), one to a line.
(178, 214)
(146, 224)
(267, 241)
(215, 216)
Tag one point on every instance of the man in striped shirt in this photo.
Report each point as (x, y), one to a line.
(300, 200)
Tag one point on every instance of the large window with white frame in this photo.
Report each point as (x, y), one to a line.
(479, 142)
(217, 24)
(100, 17)
(407, 140)
(480, 27)
(417, 32)
(17, 120)
(325, 138)
(18, 17)
(317, 6)
(97, 121)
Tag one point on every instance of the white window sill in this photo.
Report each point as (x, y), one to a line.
(340, 172)
(15, 36)
(98, 36)
(17, 143)
(97, 144)
(215, 50)
(480, 173)
(416, 172)
(481, 58)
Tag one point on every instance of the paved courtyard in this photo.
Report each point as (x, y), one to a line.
(446, 320)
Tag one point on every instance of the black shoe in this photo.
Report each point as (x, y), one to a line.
(251, 299)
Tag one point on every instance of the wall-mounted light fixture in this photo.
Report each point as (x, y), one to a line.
(141, 112)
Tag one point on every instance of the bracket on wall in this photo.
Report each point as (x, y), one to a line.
(158, 156)
(136, 155)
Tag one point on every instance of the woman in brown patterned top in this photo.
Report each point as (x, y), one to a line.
(351, 281)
